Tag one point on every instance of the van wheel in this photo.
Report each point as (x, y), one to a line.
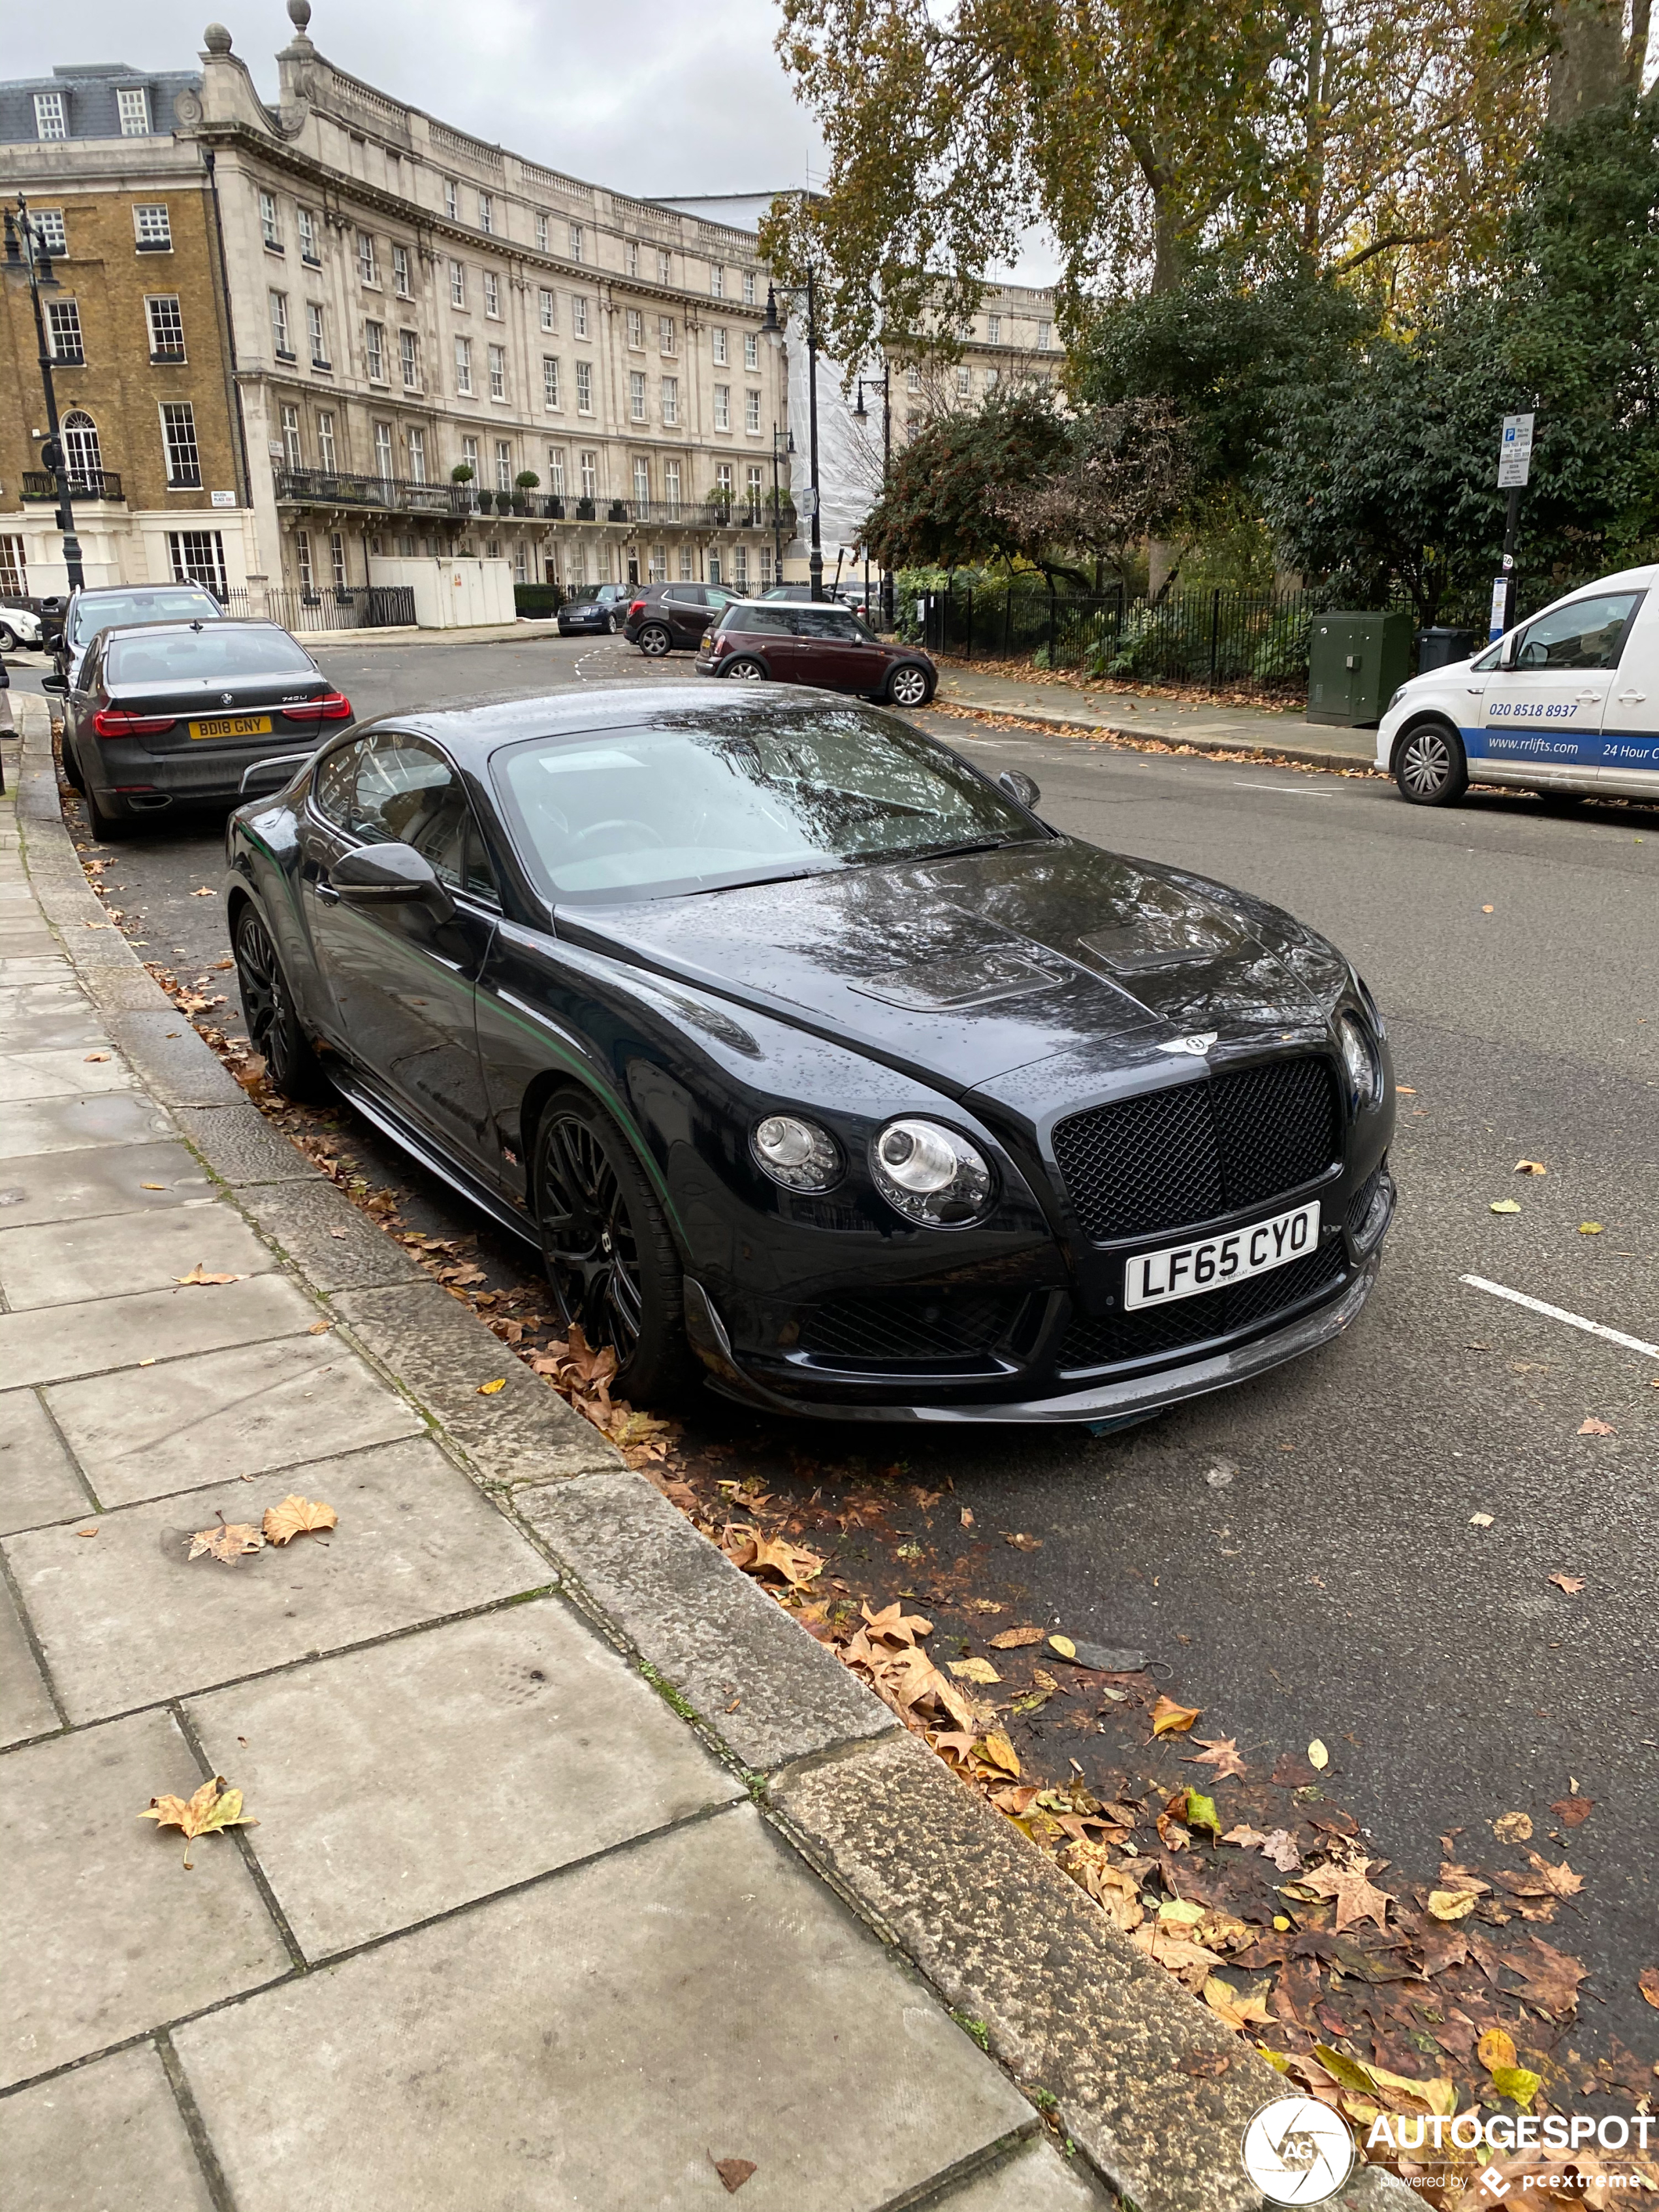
(654, 641)
(1430, 765)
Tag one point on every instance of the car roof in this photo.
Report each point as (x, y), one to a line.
(473, 733)
(164, 628)
(126, 591)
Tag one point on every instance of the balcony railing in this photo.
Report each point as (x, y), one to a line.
(84, 483)
(467, 502)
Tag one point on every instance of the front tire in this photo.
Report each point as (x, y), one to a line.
(907, 686)
(654, 641)
(8, 638)
(609, 1259)
(1430, 766)
(744, 671)
(273, 1023)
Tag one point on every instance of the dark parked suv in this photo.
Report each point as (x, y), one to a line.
(663, 616)
(781, 641)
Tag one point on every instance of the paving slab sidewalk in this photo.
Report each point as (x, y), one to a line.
(1255, 730)
(579, 1866)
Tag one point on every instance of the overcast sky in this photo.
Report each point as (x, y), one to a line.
(655, 97)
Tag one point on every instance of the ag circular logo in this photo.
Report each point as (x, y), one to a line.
(1298, 2151)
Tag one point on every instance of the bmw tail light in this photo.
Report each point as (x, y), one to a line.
(332, 707)
(116, 722)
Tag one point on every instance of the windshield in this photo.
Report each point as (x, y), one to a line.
(701, 805)
(183, 656)
(115, 610)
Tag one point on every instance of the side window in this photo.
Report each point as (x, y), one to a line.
(389, 789)
(1588, 633)
(825, 621)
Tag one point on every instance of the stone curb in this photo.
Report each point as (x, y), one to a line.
(1064, 2000)
(1073, 725)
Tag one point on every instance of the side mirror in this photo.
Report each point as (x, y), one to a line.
(390, 875)
(58, 685)
(1020, 787)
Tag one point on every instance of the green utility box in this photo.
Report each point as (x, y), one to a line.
(1356, 663)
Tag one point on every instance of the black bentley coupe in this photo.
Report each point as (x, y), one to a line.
(805, 1050)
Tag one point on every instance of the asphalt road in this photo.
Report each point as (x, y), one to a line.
(1332, 1581)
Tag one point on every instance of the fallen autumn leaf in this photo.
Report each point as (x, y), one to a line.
(732, 2172)
(1011, 1639)
(1571, 1583)
(297, 1516)
(1513, 1828)
(1648, 1982)
(1318, 1757)
(488, 1389)
(230, 1541)
(1589, 1426)
(198, 1274)
(1571, 1812)
(973, 1670)
(1530, 1167)
(1171, 1719)
(211, 1810)
(1219, 1752)
(1504, 1205)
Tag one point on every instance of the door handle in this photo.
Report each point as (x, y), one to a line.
(326, 892)
(1590, 698)
(1632, 698)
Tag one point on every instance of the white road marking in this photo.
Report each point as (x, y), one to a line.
(1296, 790)
(1559, 1313)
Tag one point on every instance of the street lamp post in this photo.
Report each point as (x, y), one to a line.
(26, 258)
(883, 384)
(774, 329)
(783, 448)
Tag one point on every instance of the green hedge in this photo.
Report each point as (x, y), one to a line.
(540, 600)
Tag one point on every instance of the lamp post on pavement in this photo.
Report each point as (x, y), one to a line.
(883, 385)
(27, 260)
(773, 329)
(783, 448)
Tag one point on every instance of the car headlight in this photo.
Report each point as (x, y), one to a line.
(1395, 701)
(931, 1175)
(1359, 1056)
(796, 1153)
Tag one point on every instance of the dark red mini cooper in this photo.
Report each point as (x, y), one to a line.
(781, 642)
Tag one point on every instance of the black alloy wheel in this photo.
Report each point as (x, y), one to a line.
(908, 685)
(654, 640)
(606, 1248)
(1430, 765)
(744, 671)
(273, 1025)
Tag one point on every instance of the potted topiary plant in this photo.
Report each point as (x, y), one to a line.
(584, 510)
(719, 503)
(618, 510)
(525, 482)
(461, 476)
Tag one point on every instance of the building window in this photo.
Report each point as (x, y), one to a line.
(383, 464)
(657, 571)
(302, 557)
(754, 496)
(314, 336)
(49, 120)
(63, 330)
(665, 334)
(486, 212)
(671, 400)
(279, 331)
(337, 554)
(723, 480)
(912, 378)
(994, 330)
(551, 393)
(751, 411)
(82, 455)
(722, 348)
(369, 267)
(548, 304)
(665, 267)
(166, 327)
(49, 229)
(503, 466)
(642, 484)
(268, 230)
(326, 461)
(766, 568)
(688, 564)
(291, 437)
(132, 106)
(400, 271)
(198, 557)
(179, 439)
(556, 470)
(409, 355)
(470, 456)
(451, 199)
(722, 406)
(457, 284)
(541, 233)
(520, 563)
(14, 576)
(740, 567)
(417, 456)
(498, 371)
(152, 229)
(374, 351)
(993, 378)
(464, 365)
(492, 293)
(716, 280)
(636, 395)
(577, 241)
(636, 329)
(750, 350)
(964, 381)
(670, 489)
(630, 257)
(578, 315)
(583, 388)
(304, 225)
(748, 288)
(590, 476)
(1044, 332)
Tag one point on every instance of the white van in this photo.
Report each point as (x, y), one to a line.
(1567, 701)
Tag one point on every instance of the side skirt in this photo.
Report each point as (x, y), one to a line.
(420, 1146)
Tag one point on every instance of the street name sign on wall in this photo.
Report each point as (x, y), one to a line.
(1515, 452)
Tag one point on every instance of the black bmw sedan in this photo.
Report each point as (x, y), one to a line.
(162, 716)
(807, 1052)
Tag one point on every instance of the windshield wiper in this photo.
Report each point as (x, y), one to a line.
(750, 882)
(941, 852)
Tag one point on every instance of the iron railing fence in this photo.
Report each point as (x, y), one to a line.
(328, 606)
(1199, 636)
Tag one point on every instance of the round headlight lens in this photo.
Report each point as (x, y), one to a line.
(796, 1153)
(1359, 1057)
(932, 1176)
